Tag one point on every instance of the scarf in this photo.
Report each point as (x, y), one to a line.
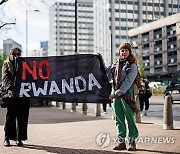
(120, 63)
(128, 96)
(118, 74)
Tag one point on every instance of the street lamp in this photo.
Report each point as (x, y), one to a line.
(26, 33)
(76, 26)
(27, 30)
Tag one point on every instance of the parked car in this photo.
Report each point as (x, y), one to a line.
(155, 85)
(173, 88)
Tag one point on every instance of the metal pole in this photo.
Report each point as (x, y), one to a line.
(111, 49)
(112, 30)
(26, 33)
(75, 26)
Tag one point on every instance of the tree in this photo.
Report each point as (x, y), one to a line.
(141, 66)
(2, 24)
(2, 58)
(3, 1)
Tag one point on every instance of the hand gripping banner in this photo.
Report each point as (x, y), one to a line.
(73, 78)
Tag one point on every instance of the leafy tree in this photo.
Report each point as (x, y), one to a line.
(2, 58)
(141, 66)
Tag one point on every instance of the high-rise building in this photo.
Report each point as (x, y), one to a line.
(113, 19)
(8, 44)
(44, 45)
(44, 48)
(158, 43)
(62, 27)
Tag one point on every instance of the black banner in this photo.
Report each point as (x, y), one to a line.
(74, 78)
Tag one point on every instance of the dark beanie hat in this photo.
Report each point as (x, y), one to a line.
(14, 49)
(125, 45)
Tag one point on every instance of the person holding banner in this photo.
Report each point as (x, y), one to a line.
(17, 109)
(123, 74)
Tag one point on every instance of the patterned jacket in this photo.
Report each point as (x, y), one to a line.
(8, 75)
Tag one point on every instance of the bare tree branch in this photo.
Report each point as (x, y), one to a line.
(11, 23)
(3, 1)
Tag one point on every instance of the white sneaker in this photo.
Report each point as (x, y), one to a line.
(142, 114)
(145, 113)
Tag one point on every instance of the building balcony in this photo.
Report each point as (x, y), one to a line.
(157, 36)
(171, 48)
(145, 52)
(145, 40)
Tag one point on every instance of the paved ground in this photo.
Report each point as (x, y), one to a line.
(52, 130)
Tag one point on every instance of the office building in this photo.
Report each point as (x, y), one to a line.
(62, 27)
(44, 45)
(9, 44)
(158, 43)
(114, 18)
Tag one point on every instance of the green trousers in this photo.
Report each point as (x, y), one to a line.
(121, 111)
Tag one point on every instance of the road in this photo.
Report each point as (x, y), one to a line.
(155, 112)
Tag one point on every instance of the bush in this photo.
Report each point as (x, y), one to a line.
(158, 91)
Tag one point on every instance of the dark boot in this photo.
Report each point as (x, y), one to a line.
(19, 143)
(132, 146)
(121, 145)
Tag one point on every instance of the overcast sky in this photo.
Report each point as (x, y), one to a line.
(38, 22)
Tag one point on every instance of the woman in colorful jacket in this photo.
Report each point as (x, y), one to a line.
(123, 74)
(17, 109)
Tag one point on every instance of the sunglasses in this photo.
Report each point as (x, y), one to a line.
(16, 54)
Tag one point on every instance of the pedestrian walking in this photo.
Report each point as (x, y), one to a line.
(144, 95)
(17, 109)
(105, 107)
(123, 74)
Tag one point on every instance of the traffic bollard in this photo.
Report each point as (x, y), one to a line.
(58, 104)
(63, 105)
(98, 109)
(84, 108)
(73, 108)
(168, 114)
(137, 115)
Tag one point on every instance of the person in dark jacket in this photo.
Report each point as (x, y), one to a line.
(144, 95)
(18, 109)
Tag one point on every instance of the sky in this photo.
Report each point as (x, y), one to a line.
(38, 22)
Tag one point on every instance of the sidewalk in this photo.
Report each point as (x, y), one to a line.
(155, 112)
(56, 131)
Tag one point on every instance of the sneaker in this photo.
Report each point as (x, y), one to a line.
(142, 114)
(6, 143)
(145, 113)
